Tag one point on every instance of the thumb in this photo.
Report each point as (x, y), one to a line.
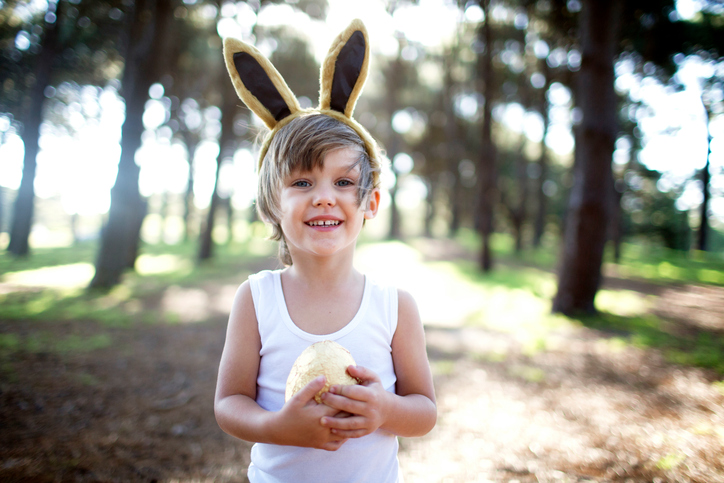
(307, 393)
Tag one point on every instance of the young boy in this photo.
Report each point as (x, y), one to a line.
(317, 186)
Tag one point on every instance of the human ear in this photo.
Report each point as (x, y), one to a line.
(373, 204)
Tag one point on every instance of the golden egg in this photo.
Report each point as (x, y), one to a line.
(326, 358)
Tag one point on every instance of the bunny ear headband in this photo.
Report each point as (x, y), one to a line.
(342, 77)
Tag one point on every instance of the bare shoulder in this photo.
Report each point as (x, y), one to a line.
(406, 306)
(243, 294)
(243, 325)
(408, 318)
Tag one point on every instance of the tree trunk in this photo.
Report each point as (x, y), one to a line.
(163, 216)
(456, 208)
(615, 224)
(452, 144)
(24, 206)
(229, 206)
(430, 207)
(191, 144)
(519, 206)
(226, 150)
(703, 235)
(394, 232)
(393, 88)
(487, 173)
(120, 237)
(589, 206)
(2, 208)
(206, 244)
(541, 213)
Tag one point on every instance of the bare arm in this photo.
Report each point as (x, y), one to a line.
(412, 411)
(235, 406)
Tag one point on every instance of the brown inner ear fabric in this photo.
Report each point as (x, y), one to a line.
(257, 81)
(346, 70)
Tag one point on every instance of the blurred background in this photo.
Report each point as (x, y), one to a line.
(556, 181)
(121, 115)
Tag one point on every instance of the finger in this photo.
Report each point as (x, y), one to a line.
(358, 393)
(344, 424)
(343, 402)
(308, 392)
(354, 433)
(334, 445)
(366, 376)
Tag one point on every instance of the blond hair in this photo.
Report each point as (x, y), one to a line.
(302, 145)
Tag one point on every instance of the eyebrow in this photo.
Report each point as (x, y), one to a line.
(351, 167)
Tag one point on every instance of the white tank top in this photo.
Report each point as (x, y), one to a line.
(368, 336)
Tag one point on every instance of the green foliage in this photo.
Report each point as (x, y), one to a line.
(523, 288)
(45, 342)
(692, 348)
(89, 37)
(664, 265)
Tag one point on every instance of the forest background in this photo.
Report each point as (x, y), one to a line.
(555, 192)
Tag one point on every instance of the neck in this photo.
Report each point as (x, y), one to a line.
(324, 271)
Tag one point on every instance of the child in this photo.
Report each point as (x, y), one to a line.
(318, 183)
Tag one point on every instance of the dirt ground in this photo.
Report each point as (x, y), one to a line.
(582, 410)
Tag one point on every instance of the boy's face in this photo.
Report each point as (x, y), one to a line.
(320, 211)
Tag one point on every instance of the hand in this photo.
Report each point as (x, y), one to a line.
(367, 403)
(298, 422)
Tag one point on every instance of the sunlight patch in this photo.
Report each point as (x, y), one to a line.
(625, 303)
(63, 276)
(443, 297)
(157, 264)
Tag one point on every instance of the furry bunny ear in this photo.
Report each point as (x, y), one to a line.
(258, 83)
(345, 69)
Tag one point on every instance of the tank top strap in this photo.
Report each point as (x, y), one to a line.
(263, 293)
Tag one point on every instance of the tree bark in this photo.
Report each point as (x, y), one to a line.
(452, 142)
(456, 208)
(579, 273)
(191, 142)
(541, 213)
(227, 146)
(703, 235)
(517, 208)
(120, 236)
(487, 173)
(24, 207)
(393, 87)
(430, 211)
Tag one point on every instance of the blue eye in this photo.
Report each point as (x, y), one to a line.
(301, 184)
(345, 182)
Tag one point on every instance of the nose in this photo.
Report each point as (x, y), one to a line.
(324, 196)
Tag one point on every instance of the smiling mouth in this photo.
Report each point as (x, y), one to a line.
(323, 223)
